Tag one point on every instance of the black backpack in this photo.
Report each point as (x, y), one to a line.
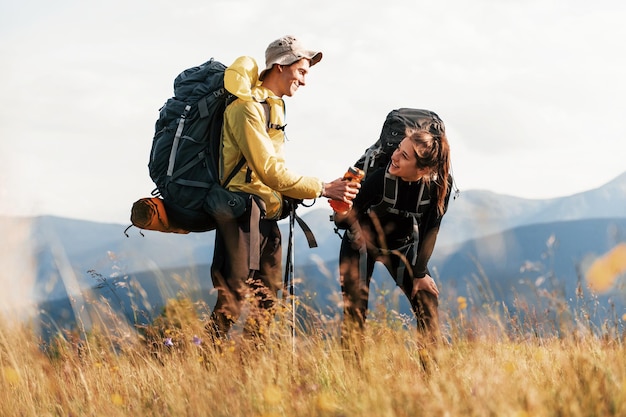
(379, 154)
(394, 130)
(184, 158)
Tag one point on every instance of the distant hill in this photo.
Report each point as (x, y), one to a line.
(522, 261)
(485, 237)
(481, 213)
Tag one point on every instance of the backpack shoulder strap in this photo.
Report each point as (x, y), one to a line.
(268, 126)
(370, 156)
(390, 198)
(268, 123)
(232, 174)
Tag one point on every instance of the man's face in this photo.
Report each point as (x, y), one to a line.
(293, 76)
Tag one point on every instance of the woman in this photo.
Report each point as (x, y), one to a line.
(399, 231)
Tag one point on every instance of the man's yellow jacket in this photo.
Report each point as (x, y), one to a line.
(246, 133)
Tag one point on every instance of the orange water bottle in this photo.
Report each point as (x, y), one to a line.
(353, 174)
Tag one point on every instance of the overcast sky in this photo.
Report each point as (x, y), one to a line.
(532, 92)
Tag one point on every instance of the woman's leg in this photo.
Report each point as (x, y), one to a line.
(425, 305)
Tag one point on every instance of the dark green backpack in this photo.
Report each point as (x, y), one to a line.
(184, 158)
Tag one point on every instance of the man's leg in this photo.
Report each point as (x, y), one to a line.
(229, 272)
(355, 271)
(266, 282)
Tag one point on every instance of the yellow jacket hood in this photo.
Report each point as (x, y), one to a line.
(241, 79)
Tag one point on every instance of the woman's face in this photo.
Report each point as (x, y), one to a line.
(404, 162)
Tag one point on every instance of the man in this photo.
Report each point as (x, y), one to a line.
(247, 259)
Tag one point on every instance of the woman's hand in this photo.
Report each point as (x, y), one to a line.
(426, 284)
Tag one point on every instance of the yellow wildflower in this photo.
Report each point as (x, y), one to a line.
(117, 399)
(325, 402)
(11, 375)
(272, 395)
(605, 270)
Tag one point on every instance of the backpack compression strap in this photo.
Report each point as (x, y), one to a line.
(171, 175)
(370, 155)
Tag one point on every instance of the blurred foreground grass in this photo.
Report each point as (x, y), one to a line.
(170, 369)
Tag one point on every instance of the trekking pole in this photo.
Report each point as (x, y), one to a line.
(289, 286)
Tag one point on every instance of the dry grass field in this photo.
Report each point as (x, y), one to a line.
(492, 364)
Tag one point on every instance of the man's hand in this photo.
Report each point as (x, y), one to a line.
(341, 190)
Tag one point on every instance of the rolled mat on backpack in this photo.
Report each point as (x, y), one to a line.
(150, 214)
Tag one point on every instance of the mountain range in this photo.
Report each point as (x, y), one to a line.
(505, 246)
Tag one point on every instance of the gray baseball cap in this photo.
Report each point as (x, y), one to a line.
(286, 51)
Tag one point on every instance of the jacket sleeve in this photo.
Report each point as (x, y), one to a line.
(431, 230)
(265, 157)
(426, 247)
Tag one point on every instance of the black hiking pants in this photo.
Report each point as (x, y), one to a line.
(355, 276)
(238, 285)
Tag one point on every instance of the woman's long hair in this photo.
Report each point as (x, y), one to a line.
(433, 153)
